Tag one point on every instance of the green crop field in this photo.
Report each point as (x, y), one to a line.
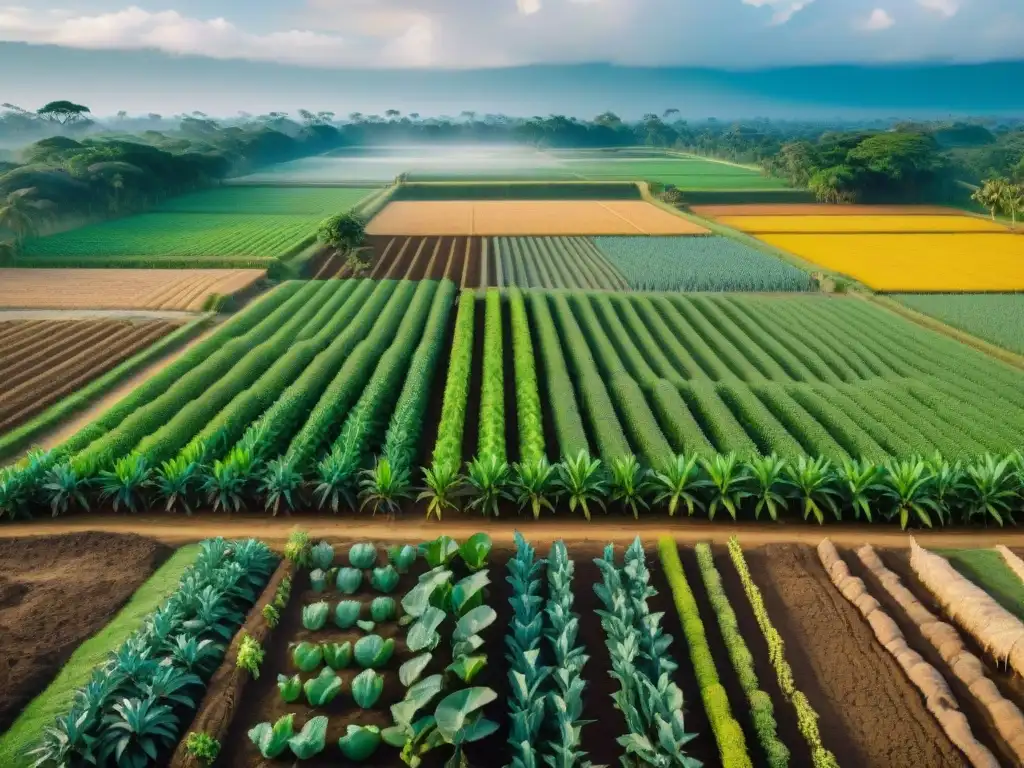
(300, 201)
(468, 190)
(997, 318)
(552, 262)
(699, 264)
(319, 378)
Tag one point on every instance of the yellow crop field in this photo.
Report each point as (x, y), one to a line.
(528, 217)
(916, 262)
(860, 223)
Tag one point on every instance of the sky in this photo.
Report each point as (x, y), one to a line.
(172, 39)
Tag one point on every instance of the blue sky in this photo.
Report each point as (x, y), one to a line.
(226, 55)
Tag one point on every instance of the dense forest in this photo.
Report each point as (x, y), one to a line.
(61, 163)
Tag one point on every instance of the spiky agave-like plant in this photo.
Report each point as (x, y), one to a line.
(767, 481)
(280, 483)
(384, 487)
(124, 485)
(489, 479)
(174, 481)
(859, 484)
(990, 489)
(63, 488)
(629, 484)
(444, 484)
(334, 483)
(678, 480)
(535, 485)
(813, 484)
(582, 480)
(726, 481)
(907, 486)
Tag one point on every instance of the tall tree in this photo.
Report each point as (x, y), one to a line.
(1012, 200)
(22, 215)
(989, 195)
(63, 112)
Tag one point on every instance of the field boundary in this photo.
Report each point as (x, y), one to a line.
(934, 324)
(18, 439)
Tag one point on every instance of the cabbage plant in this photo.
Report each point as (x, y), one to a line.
(307, 656)
(337, 655)
(383, 609)
(373, 651)
(474, 551)
(272, 740)
(384, 579)
(349, 580)
(362, 556)
(311, 740)
(360, 742)
(346, 613)
(290, 687)
(367, 687)
(318, 579)
(315, 616)
(402, 557)
(322, 689)
(322, 555)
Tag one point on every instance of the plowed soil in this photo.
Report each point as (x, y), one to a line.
(870, 715)
(55, 592)
(43, 361)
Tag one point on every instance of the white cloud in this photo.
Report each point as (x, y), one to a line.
(947, 8)
(878, 20)
(783, 10)
(478, 33)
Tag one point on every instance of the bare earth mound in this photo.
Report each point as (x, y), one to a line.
(55, 592)
(524, 217)
(178, 289)
(870, 714)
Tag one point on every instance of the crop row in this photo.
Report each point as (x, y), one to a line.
(552, 262)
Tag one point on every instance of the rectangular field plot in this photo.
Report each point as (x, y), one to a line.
(164, 289)
(867, 223)
(821, 209)
(550, 217)
(300, 201)
(166, 239)
(553, 262)
(997, 318)
(699, 264)
(916, 262)
(42, 361)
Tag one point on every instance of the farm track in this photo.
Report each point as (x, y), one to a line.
(62, 359)
(55, 592)
(870, 714)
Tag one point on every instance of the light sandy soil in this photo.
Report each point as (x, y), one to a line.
(179, 529)
(94, 314)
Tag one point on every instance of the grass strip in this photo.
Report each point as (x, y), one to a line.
(20, 438)
(58, 696)
(732, 745)
(988, 569)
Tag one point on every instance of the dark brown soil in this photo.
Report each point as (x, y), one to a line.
(785, 715)
(980, 723)
(472, 261)
(704, 747)
(870, 715)
(55, 592)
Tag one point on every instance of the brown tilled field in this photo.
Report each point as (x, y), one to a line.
(521, 217)
(822, 209)
(149, 289)
(400, 257)
(42, 361)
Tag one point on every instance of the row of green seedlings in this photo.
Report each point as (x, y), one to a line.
(130, 713)
(546, 678)
(650, 702)
(806, 717)
(370, 652)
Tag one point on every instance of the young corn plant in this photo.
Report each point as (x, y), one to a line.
(534, 485)
(333, 483)
(767, 478)
(280, 484)
(908, 489)
(859, 485)
(679, 481)
(384, 488)
(444, 484)
(489, 479)
(224, 487)
(726, 480)
(174, 482)
(948, 484)
(124, 485)
(629, 484)
(990, 490)
(64, 488)
(812, 483)
(581, 480)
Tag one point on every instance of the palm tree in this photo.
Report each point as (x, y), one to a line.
(21, 215)
(989, 195)
(1012, 200)
(116, 186)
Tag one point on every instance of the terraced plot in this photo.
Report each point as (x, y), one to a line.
(165, 289)
(42, 361)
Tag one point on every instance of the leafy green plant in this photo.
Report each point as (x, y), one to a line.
(297, 548)
(581, 480)
(64, 488)
(135, 729)
(337, 655)
(423, 635)
(290, 687)
(991, 489)
(411, 670)
(363, 556)
(272, 740)
(812, 482)
(474, 551)
(174, 481)
(366, 625)
(317, 580)
(250, 655)
(271, 615)
(314, 616)
(334, 483)
(415, 736)
(767, 478)
(279, 484)
(906, 485)
(489, 479)
(384, 579)
(349, 580)
(384, 488)
(373, 652)
(225, 483)
(859, 486)
(443, 485)
(383, 609)
(440, 552)
(367, 687)
(311, 740)
(726, 478)
(535, 485)
(466, 668)
(346, 613)
(402, 557)
(307, 656)
(460, 719)
(203, 747)
(360, 742)
(629, 484)
(125, 484)
(468, 593)
(678, 481)
(322, 689)
(322, 556)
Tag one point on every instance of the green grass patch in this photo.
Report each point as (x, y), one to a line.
(987, 569)
(58, 696)
(623, 190)
(997, 318)
(275, 201)
(18, 439)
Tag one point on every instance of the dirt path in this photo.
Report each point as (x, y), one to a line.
(179, 529)
(54, 437)
(95, 314)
